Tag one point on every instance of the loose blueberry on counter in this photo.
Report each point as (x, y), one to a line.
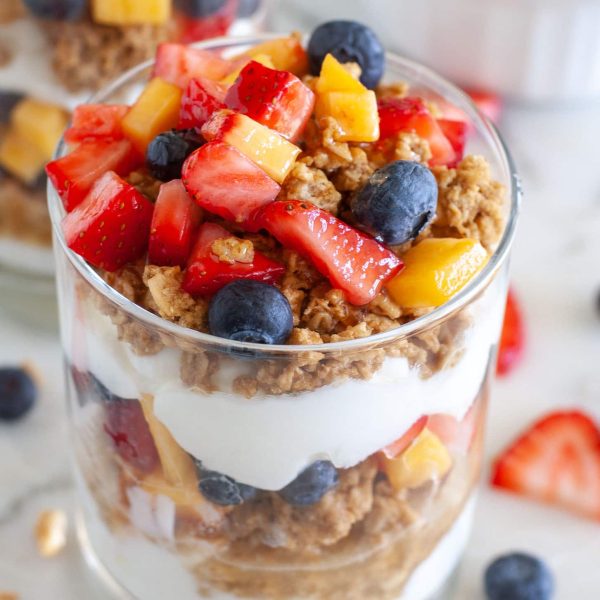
(18, 393)
(246, 8)
(348, 41)
(199, 8)
(221, 489)
(518, 576)
(64, 10)
(311, 485)
(167, 152)
(397, 202)
(250, 311)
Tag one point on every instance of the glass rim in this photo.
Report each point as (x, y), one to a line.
(437, 315)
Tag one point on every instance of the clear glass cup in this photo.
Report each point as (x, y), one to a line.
(154, 406)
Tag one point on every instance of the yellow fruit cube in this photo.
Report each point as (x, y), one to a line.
(424, 460)
(263, 59)
(39, 123)
(335, 77)
(155, 111)
(436, 269)
(21, 158)
(286, 54)
(131, 12)
(183, 497)
(355, 112)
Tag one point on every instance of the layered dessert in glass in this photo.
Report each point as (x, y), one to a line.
(280, 299)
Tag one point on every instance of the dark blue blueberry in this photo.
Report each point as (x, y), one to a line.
(199, 8)
(246, 8)
(18, 393)
(397, 203)
(167, 152)
(250, 311)
(311, 485)
(518, 576)
(348, 41)
(8, 100)
(64, 10)
(221, 489)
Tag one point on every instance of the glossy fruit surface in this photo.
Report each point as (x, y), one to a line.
(18, 393)
(94, 121)
(202, 98)
(167, 152)
(221, 489)
(311, 485)
(286, 54)
(518, 576)
(131, 12)
(512, 340)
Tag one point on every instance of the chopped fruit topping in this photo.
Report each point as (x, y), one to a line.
(167, 152)
(411, 114)
(175, 222)
(436, 269)
(397, 203)
(131, 12)
(267, 149)
(488, 103)
(400, 445)
(556, 461)
(311, 485)
(221, 489)
(202, 97)
(286, 54)
(456, 132)
(18, 393)
(74, 175)
(223, 181)
(178, 466)
(20, 158)
(207, 273)
(424, 460)
(352, 262)
(92, 121)
(246, 310)
(261, 59)
(348, 41)
(512, 341)
(129, 431)
(111, 226)
(455, 435)
(277, 99)
(335, 77)
(178, 63)
(518, 576)
(218, 15)
(61, 10)
(155, 111)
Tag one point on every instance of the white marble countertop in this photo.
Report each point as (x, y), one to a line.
(555, 269)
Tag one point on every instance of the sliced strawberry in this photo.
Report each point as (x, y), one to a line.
(456, 133)
(215, 24)
(93, 121)
(512, 341)
(488, 103)
(276, 99)
(556, 461)
(111, 226)
(202, 97)
(400, 445)
(175, 222)
(178, 63)
(455, 435)
(352, 261)
(411, 114)
(74, 174)
(127, 427)
(206, 274)
(223, 181)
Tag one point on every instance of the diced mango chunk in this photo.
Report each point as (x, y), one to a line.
(286, 54)
(131, 12)
(156, 110)
(424, 460)
(263, 59)
(435, 270)
(335, 77)
(183, 497)
(20, 158)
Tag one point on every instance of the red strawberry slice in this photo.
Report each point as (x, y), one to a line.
(411, 114)
(512, 341)
(276, 99)
(175, 222)
(488, 103)
(352, 261)
(556, 461)
(456, 133)
(225, 182)
(455, 435)
(178, 63)
(111, 226)
(214, 25)
(400, 445)
(206, 274)
(93, 121)
(129, 431)
(74, 175)
(202, 97)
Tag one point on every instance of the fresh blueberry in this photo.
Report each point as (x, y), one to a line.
(18, 393)
(8, 100)
(221, 489)
(311, 485)
(167, 152)
(64, 10)
(397, 202)
(199, 8)
(246, 8)
(250, 311)
(348, 41)
(518, 576)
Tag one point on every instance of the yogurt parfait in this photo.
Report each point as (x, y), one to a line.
(281, 273)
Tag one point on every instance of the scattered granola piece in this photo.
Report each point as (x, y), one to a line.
(231, 250)
(51, 532)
